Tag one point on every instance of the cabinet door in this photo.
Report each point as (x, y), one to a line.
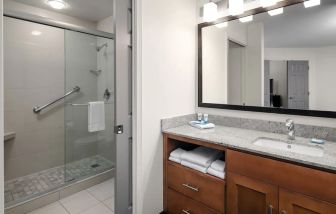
(246, 196)
(294, 203)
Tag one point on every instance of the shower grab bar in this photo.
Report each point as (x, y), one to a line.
(39, 109)
(85, 104)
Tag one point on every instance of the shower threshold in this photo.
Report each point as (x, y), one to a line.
(22, 189)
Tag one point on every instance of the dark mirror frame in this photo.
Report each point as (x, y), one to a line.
(313, 113)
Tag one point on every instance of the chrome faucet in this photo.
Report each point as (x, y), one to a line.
(291, 129)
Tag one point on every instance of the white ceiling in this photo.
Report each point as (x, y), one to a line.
(301, 27)
(88, 10)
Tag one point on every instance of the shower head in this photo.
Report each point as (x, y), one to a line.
(101, 47)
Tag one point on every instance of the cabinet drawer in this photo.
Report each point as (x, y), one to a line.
(311, 182)
(198, 186)
(180, 204)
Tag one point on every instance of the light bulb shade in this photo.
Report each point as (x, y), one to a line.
(236, 7)
(210, 12)
(311, 3)
(276, 11)
(56, 4)
(246, 19)
(268, 3)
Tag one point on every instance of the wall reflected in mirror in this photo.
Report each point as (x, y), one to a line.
(285, 61)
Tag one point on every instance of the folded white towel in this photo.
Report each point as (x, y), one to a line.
(176, 160)
(177, 153)
(199, 125)
(201, 156)
(96, 116)
(218, 165)
(216, 173)
(194, 166)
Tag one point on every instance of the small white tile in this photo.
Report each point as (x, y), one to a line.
(110, 203)
(103, 191)
(79, 202)
(54, 208)
(99, 209)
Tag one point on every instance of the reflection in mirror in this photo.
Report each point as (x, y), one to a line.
(283, 61)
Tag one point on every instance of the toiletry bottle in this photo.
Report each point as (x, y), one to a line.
(199, 117)
(206, 118)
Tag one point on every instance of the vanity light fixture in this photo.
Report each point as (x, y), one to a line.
(210, 12)
(312, 3)
(36, 33)
(222, 25)
(275, 12)
(236, 7)
(246, 19)
(57, 4)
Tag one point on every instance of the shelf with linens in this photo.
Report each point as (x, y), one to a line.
(195, 184)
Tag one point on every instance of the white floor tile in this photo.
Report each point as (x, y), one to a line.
(110, 203)
(54, 208)
(103, 191)
(79, 202)
(99, 209)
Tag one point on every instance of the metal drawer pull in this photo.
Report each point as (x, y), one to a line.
(186, 211)
(284, 212)
(270, 209)
(196, 189)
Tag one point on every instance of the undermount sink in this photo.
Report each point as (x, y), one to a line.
(290, 147)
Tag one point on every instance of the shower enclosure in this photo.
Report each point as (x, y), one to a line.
(51, 74)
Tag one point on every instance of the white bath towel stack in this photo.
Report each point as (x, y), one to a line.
(200, 158)
(217, 169)
(175, 155)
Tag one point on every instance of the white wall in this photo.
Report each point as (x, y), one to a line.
(168, 49)
(253, 93)
(321, 72)
(214, 61)
(278, 72)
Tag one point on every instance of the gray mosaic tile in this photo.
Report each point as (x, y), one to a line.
(30, 186)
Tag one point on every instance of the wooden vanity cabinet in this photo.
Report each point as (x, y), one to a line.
(294, 203)
(259, 185)
(254, 184)
(246, 196)
(187, 191)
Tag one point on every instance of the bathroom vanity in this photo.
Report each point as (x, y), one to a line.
(258, 179)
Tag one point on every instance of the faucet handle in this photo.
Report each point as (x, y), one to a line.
(289, 123)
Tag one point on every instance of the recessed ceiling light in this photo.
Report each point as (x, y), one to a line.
(36, 33)
(276, 11)
(210, 12)
(246, 19)
(236, 7)
(222, 25)
(56, 4)
(311, 3)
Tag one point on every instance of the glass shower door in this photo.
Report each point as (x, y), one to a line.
(89, 65)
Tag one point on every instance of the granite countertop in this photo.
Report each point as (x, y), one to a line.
(242, 139)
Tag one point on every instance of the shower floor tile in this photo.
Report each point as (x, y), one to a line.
(23, 188)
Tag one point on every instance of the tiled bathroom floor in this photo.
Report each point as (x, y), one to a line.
(98, 199)
(23, 188)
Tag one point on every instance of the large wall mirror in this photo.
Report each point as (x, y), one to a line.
(284, 63)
